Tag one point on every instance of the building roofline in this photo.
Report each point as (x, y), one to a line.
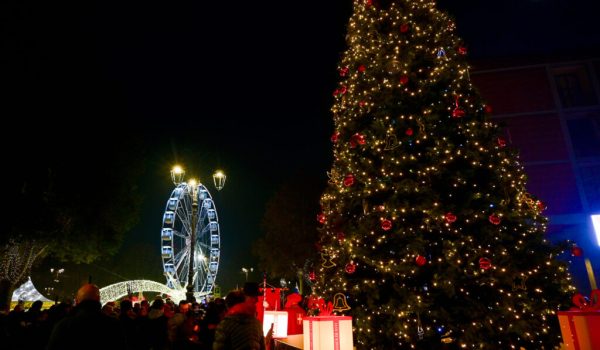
(531, 61)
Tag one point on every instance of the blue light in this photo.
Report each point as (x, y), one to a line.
(596, 222)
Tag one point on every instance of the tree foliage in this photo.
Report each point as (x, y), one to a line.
(289, 228)
(73, 195)
(428, 229)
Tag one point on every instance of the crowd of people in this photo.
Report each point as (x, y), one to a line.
(220, 324)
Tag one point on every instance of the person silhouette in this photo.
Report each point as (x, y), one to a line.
(87, 328)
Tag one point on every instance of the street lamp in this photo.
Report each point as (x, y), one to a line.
(56, 276)
(245, 271)
(219, 179)
(177, 175)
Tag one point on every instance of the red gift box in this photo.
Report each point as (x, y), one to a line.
(328, 333)
(580, 329)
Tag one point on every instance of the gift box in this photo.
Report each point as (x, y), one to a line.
(279, 320)
(328, 333)
(580, 329)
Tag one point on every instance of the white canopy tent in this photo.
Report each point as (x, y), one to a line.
(27, 292)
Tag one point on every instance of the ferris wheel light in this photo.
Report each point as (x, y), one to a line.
(200, 256)
(219, 178)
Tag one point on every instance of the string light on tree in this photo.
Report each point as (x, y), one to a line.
(432, 204)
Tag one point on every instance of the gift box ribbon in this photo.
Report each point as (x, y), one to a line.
(583, 304)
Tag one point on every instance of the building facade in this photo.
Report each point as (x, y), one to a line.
(551, 112)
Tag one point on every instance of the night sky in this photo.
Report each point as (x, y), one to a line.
(241, 85)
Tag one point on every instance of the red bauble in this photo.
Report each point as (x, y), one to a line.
(361, 103)
(349, 180)
(462, 50)
(404, 28)
(488, 109)
(450, 218)
(335, 136)
(321, 218)
(359, 139)
(458, 112)
(344, 71)
(362, 68)
(311, 276)
(340, 236)
(404, 79)
(409, 132)
(386, 225)
(420, 260)
(368, 3)
(343, 90)
(381, 207)
(495, 219)
(350, 268)
(501, 142)
(576, 251)
(336, 92)
(541, 206)
(485, 263)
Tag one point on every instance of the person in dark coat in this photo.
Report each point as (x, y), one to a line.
(87, 328)
(239, 330)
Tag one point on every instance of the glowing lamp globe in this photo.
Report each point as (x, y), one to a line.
(219, 178)
(177, 174)
(279, 319)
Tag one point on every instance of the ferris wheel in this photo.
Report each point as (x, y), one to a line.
(190, 236)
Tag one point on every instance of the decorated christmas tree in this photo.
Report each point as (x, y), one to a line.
(427, 230)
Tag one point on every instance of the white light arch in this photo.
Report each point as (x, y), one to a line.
(118, 290)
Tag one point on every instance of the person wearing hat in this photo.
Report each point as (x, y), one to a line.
(295, 313)
(251, 293)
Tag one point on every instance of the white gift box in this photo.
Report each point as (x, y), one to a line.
(328, 333)
(279, 319)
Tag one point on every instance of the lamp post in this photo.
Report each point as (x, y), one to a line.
(246, 270)
(177, 174)
(192, 262)
(52, 291)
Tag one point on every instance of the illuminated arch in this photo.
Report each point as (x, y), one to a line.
(121, 289)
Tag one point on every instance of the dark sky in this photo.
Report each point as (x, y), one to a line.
(244, 85)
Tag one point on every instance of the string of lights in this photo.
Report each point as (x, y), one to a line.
(426, 225)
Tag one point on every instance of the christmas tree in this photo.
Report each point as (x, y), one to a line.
(427, 230)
